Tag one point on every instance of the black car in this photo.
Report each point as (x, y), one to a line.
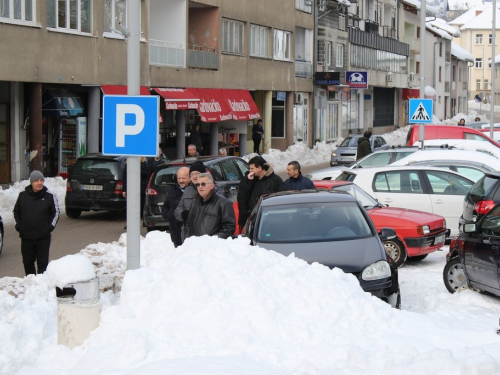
(227, 172)
(331, 228)
(95, 183)
(483, 195)
(1, 235)
(474, 256)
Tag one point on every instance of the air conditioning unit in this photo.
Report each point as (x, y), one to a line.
(411, 77)
(297, 98)
(388, 77)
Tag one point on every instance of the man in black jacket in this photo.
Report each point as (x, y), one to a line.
(196, 138)
(36, 214)
(210, 213)
(364, 147)
(296, 181)
(173, 198)
(260, 180)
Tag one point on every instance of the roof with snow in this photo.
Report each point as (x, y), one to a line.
(443, 25)
(483, 21)
(464, 4)
(466, 17)
(461, 53)
(429, 10)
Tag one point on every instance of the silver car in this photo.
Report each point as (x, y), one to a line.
(345, 154)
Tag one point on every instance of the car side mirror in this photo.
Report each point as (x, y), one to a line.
(469, 228)
(387, 234)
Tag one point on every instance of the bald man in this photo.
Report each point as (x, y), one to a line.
(173, 198)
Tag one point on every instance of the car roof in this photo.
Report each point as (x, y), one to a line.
(305, 196)
(438, 155)
(206, 160)
(98, 155)
(390, 168)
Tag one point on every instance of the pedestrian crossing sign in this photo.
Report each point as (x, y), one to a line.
(421, 111)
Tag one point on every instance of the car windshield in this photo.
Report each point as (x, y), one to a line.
(312, 222)
(350, 142)
(97, 167)
(166, 176)
(375, 160)
(345, 176)
(365, 199)
(484, 187)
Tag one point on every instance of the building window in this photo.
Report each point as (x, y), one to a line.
(278, 118)
(417, 67)
(454, 73)
(328, 59)
(490, 39)
(232, 37)
(479, 63)
(478, 84)
(282, 41)
(340, 56)
(70, 15)
(115, 13)
(18, 10)
(439, 74)
(259, 41)
(486, 83)
(459, 74)
(304, 5)
(479, 38)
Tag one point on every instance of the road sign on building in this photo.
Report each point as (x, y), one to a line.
(130, 125)
(421, 111)
(357, 80)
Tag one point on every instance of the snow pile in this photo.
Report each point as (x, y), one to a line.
(397, 137)
(8, 197)
(70, 269)
(217, 306)
(485, 107)
(470, 117)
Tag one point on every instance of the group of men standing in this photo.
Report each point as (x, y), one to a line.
(194, 208)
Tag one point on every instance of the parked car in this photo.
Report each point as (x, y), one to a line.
(473, 258)
(476, 124)
(425, 189)
(464, 144)
(227, 172)
(345, 154)
(330, 228)
(95, 183)
(378, 158)
(482, 197)
(447, 132)
(496, 132)
(1, 235)
(418, 233)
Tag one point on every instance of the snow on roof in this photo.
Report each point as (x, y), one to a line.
(443, 25)
(464, 4)
(461, 53)
(430, 91)
(443, 34)
(345, 2)
(429, 10)
(482, 21)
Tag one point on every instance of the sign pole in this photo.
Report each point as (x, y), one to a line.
(423, 14)
(133, 163)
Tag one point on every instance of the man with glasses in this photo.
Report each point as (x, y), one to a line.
(210, 213)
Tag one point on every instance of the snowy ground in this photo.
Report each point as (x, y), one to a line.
(223, 307)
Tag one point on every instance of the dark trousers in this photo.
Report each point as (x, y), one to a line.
(256, 144)
(35, 251)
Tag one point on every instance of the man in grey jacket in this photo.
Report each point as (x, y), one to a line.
(210, 213)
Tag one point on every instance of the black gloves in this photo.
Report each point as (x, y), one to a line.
(184, 215)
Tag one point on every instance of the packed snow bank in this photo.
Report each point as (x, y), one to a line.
(217, 306)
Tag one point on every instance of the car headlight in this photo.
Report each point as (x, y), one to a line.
(424, 229)
(375, 271)
(334, 154)
(444, 223)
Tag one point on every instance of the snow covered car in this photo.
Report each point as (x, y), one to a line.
(426, 189)
(331, 228)
(418, 233)
(473, 257)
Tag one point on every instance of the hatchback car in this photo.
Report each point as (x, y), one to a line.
(425, 189)
(418, 233)
(482, 197)
(345, 154)
(95, 183)
(227, 172)
(473, 258)
(330, 228)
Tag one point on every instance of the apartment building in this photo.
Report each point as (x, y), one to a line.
(60, 57)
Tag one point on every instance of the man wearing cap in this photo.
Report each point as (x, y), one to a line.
(260, 180)
(36, 214)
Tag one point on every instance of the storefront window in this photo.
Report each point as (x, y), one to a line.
(278, 118)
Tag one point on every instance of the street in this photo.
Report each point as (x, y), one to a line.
(72, 235)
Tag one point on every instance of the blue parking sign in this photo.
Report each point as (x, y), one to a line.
(130, 125)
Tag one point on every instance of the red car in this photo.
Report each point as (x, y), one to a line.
(418, 233)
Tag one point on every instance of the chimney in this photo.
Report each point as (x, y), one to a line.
(478, 12)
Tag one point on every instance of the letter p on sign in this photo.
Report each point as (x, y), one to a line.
(130, 125)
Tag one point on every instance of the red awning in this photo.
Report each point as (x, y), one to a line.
(122, 90)
(242, 105)
(178, 98)
(411, 94)
(213, 106)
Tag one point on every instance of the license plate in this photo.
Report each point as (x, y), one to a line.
(92, 187)
(346, 159)
(439, 239)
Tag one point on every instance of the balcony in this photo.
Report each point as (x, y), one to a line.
(353, 21)
(303, 69)
(413, 42)
(162, 52)
(389, 32)
(447, 86)
(341, 22)
(371, 27)
(202, 57)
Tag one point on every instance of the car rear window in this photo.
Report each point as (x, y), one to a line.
(313, 222)
(349, 142)
(485, 187)
(166, 176)
(97, 167)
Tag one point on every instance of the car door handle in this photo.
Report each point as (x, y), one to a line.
(439, 201)
(233, 188)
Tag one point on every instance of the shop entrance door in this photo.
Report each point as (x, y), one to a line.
(4, 144)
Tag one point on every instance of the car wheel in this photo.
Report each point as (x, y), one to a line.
(454, 276)
(73, 213)
(396, 250)
(418, 258)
